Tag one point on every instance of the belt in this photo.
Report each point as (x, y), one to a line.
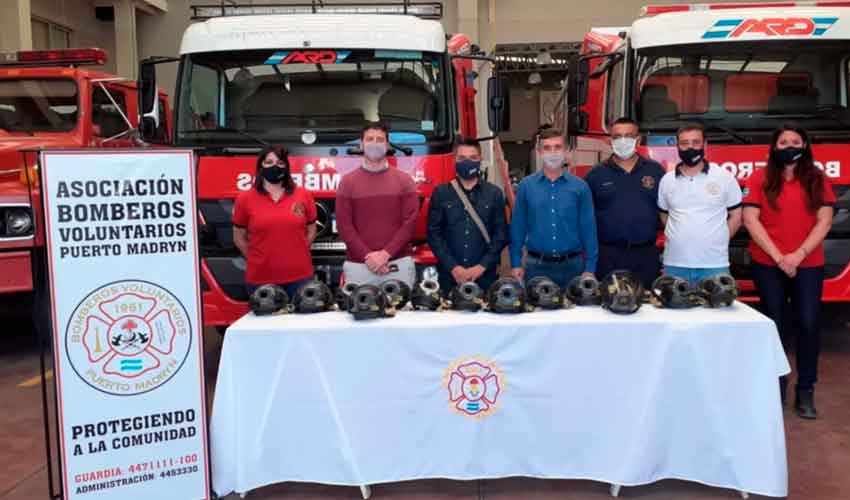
(624, 245)
(554, 258)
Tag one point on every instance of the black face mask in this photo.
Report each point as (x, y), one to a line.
(785, 156)
(691, 157)
(273, 174)
(468, 169)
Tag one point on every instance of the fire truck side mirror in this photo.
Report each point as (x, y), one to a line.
(577, 84)
(499, 104)
(148, 103)
(609, 60)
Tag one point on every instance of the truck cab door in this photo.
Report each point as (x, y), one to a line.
(588, 92)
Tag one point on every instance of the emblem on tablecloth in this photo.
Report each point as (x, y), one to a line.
(474, 385)
(128, 337)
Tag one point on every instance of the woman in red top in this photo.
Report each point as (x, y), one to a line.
(788, 212)
(274, 225)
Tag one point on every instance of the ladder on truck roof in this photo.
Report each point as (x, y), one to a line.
(424, 10)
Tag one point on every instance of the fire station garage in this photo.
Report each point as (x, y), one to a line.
(461, 249)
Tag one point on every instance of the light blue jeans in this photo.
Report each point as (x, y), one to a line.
(694, 275)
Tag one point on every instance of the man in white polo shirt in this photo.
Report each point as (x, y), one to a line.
(700, 205)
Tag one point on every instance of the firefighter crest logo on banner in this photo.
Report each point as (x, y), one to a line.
(474, 386)
(128, 337)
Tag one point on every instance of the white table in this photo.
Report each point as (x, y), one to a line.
(582, 394)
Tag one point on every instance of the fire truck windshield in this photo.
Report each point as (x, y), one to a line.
(310, 96)
(38, 105)
(743, 86)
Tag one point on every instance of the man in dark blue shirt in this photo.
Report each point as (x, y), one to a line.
(625, 196)
(463, 252)
(553, 219)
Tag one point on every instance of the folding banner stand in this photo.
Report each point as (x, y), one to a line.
(163, 480)
(40, 311)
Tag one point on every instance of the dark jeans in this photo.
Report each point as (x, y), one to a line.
(290, 288)
(559, 272)
(804, 290)
(642, 261)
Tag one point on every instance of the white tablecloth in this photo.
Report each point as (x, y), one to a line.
(577, 394)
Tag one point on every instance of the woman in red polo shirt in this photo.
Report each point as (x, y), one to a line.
(274, 225)
(788, 212)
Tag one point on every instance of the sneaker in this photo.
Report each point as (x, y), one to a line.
(805, 404)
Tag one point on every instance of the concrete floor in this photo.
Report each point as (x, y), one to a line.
(818, 452)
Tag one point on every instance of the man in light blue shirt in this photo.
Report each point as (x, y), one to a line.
(553, 219)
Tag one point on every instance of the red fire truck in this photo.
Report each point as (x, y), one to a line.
(251, 75)
(47, 101)
(740, 70)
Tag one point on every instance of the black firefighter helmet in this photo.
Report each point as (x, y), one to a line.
(369, 302)
(506, 295)
(467, 297)
(426, 296)
(268, 299)
(544, 293)
(313, 297)
(621, 292)
(718, 291)
(674, 293)
(397, 292)
(584, 291)
(342, 296)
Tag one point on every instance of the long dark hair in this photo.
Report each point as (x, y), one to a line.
(811, 178)
(282, 154)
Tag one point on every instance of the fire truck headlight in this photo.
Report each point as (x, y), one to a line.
(18, 222)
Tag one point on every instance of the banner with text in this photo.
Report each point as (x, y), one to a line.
(125, 299)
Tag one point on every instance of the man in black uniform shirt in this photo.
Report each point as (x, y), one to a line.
(467, 252)
(625, 196)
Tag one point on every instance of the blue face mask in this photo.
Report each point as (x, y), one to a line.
(787, 155)
(468, 169)
(375, 151)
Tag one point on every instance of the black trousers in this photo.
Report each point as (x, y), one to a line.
(642, 261)
(448, 283)
(794, 302)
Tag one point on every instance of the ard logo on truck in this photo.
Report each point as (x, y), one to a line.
(308, 57)
(773, 26)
